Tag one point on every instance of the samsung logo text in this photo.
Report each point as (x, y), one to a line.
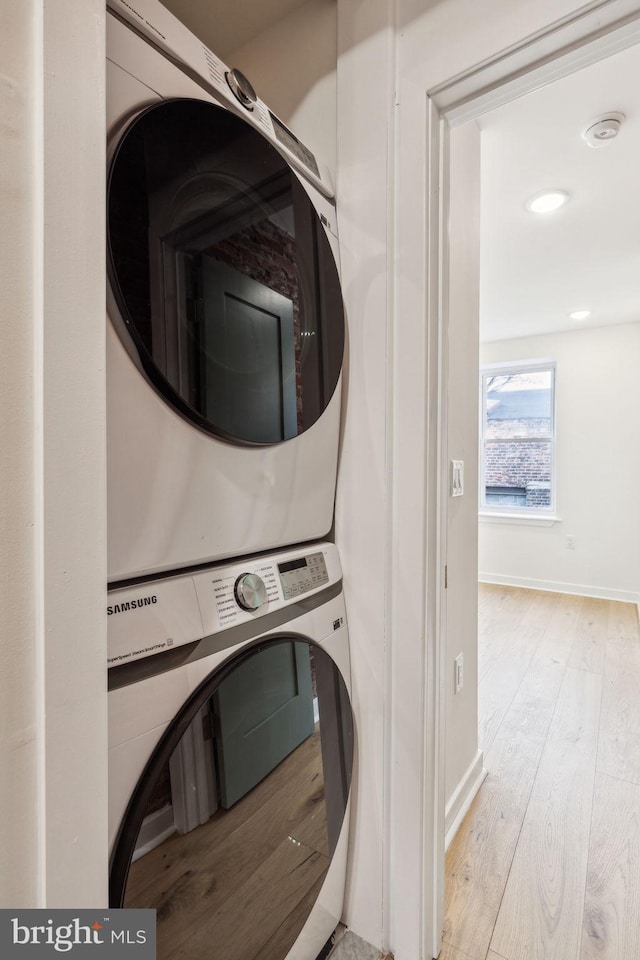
(131, 605)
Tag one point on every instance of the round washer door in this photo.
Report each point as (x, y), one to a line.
(235, 819)
(227, 290)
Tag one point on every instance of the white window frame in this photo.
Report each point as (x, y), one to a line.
(506, 511)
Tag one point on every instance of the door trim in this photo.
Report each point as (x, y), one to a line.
(597, 31)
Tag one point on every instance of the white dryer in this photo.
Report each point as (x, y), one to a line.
(226, 333)
(230, 755)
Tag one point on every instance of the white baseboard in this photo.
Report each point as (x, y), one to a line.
(155, 829)
(462, 797)
(552, 586)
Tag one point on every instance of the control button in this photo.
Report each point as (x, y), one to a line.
(250, 591)
(241, 88)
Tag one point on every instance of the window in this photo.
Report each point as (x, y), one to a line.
(517, 438)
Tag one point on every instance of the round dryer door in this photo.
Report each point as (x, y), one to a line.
(223, 275)
(231, 831)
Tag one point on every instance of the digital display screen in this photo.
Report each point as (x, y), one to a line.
(291, 142)
(292, 565)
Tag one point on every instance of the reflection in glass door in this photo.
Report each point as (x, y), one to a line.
(223, 273)
(239, 869)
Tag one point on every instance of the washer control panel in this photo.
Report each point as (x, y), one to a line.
(235, 594)
(302, 574)
(148, 618)
(227, 592)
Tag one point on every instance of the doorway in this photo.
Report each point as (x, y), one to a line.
(542, 653)
(450, 108)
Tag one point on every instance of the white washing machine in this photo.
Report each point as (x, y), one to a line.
(226, 333)
(230, 755)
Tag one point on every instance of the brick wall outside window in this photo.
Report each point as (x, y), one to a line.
(525, 465)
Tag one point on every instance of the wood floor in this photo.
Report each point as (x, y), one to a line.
(546, 865)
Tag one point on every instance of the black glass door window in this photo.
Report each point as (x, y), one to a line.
(223, 275)
(244, 796)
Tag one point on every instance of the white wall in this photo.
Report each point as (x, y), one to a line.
(440, 39)
(72, 456)
(18, 654)
(53, 746)
(598, 463)
(292, 66)
(463, 763)
(363, 500)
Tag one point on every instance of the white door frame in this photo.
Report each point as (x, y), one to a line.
(599, 30)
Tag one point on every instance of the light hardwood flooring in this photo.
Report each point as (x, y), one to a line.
(546, 864)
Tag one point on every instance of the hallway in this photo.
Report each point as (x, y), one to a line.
(546, 865)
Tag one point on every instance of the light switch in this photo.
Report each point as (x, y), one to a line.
(458, 665)
(457, 478)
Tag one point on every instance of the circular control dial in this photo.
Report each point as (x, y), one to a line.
(250, 591)
(241, 88)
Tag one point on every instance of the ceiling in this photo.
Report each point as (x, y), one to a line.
(537, 269)
(225, 25)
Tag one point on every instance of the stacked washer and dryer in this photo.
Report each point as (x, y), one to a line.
(230, 725)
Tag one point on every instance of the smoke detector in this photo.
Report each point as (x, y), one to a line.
(603, 129)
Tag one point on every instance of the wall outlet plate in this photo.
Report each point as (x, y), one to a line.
(458, 667)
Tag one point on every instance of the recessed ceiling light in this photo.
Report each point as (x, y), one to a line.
(546, 202)
(580, 314)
